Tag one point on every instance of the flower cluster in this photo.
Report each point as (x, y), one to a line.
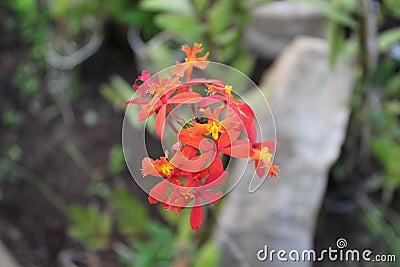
(222, 125)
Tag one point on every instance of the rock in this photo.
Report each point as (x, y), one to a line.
(310, 103)
(6, 259)
(274, 25)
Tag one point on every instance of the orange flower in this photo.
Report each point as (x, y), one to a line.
(273, 171)
(262, 156)
(160, 167)
(191, 61)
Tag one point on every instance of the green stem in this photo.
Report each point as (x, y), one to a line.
(43, 188)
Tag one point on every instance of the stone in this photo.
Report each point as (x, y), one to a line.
(6, 259)
(274, 25)
(310, 103)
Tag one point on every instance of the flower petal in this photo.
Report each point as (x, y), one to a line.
(211, 197)
(160, 121)
(196, 216)
(246, 109)
(158, 192)
(238, 149)
(194, 164)
(148, 168)
(209, 100)
(139, 100)
(186, 98)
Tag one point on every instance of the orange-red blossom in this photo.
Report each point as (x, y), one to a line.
(193, 175)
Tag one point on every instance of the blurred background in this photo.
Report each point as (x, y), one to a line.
(66, 67)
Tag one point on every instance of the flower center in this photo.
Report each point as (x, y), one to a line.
(214, 128)
(166, 169)
(265, 155)
(228, 89)
(187, 195)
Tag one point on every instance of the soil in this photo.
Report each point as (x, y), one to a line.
(32, 227)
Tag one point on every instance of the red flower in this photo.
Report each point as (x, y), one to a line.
(223, 93)
(195, 173)
(262, 156)
(182, 196)
(160, 167)
(191, 61)
(224, 135)
(141, 79)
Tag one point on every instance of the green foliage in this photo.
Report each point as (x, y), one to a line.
(173, 6)
(388, 154)
(157, 250)
(11, 117)
(128, 12)
(184, 234)
(201, 5)
(89, 226)
(377, 107)
(219, 25)
(8, 173)
(219, 16)
(381, 229)
(184, 26)
(98, 189)
(208, 255)
(26, 78)
(116, 161)
(388, 38)
(335, 36)
(117, 91)
(393, 6)
(131, 216)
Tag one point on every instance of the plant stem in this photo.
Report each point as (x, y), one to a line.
(43, 188)
(172, 126)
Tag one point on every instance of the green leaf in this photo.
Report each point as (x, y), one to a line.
(173, 6)
(121, 86)
(336, 40)
(24, 6)
(169, 216)
(117, 92)
(11, 118)
(337, 13)
(226, 37)
(14, 153)
(393, 85)
(157, 250)
(388, 38)
(131, 215)
(388, 154)
(208, 255)
(99, 189)
(219, 16)
(382, 149)
(160, 57)
(201, 5)
(180, 25)
(392, 107)
(109, 94)
(393, 6)
(89, 226)
(116, 161)
(393, 171)
(244, 62)
(184, 236)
